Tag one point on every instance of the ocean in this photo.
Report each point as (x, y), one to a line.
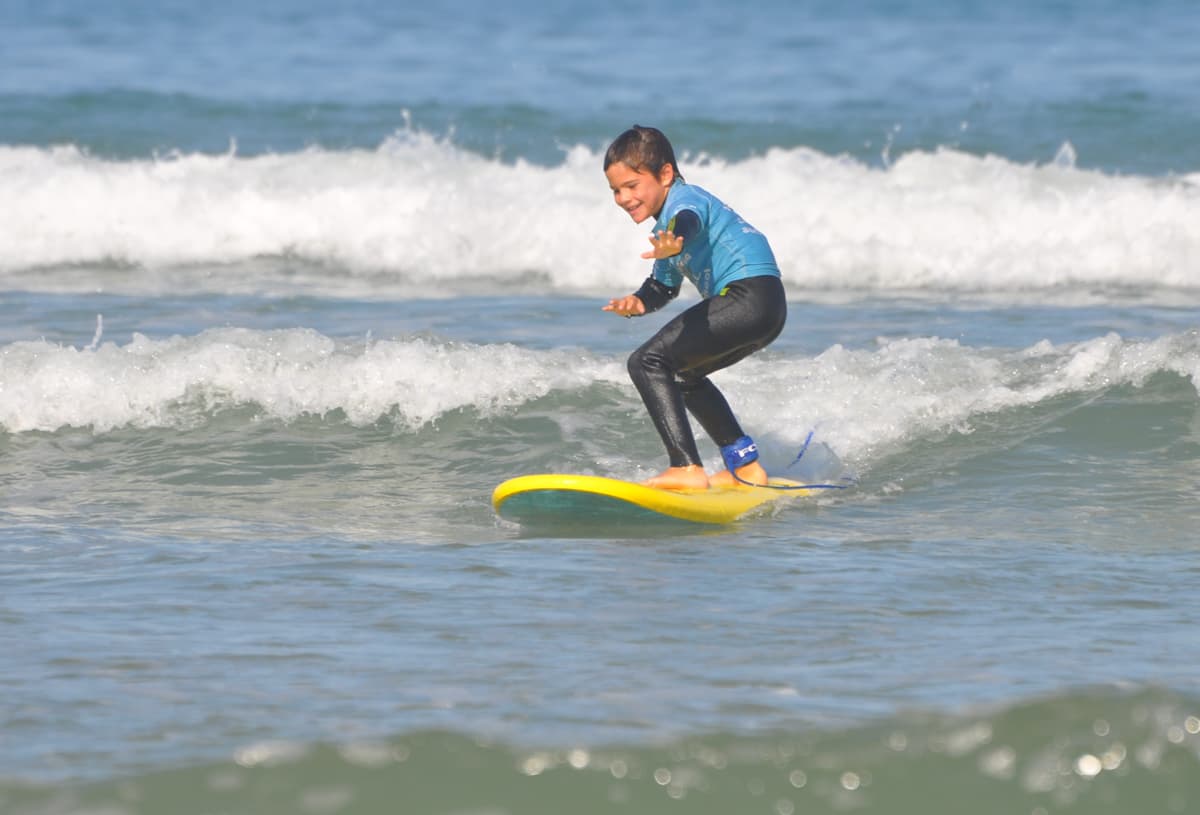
(287, 288)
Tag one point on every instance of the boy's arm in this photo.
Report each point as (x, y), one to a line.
(669, 242)
(655, 292)
(686, 224)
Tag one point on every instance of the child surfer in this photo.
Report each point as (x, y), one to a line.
(744, 307)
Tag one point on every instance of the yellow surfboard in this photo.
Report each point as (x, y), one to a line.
(554, 497)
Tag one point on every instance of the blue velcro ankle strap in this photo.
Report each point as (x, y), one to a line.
(740, 453)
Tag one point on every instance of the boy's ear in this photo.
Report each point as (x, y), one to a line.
(667, 174)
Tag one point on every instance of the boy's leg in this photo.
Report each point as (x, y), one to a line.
(670, 370)
(653, 373)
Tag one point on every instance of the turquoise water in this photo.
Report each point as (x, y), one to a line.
(286, 290)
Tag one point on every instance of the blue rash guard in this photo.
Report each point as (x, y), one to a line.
(724, 249)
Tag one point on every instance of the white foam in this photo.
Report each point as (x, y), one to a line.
(285, 374)
(872, 402)
(949, 220)
(418, 214)
(863, 403)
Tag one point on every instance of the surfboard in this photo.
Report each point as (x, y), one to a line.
(553, 497)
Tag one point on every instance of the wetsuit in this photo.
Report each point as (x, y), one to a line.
(744, 309)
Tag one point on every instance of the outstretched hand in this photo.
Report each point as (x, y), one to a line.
(666, 244)
(628, 306)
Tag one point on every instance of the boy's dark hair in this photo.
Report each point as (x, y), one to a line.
(642, 148)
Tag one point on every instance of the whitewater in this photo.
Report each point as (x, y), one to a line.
(403, 219)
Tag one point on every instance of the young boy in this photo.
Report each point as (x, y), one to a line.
(744, 307)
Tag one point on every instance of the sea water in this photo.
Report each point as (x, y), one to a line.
(287, 288)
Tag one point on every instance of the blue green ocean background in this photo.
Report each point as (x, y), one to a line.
(287, 288)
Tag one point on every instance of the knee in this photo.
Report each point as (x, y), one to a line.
(643, 362)
(634, 364)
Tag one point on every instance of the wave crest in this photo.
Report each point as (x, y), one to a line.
(419, 213)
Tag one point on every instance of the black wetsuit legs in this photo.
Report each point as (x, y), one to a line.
(670, 370)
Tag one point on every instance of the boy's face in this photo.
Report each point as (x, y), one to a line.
(641, 193)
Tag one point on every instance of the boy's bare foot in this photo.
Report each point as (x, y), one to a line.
(752, 472)
(679, 478)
